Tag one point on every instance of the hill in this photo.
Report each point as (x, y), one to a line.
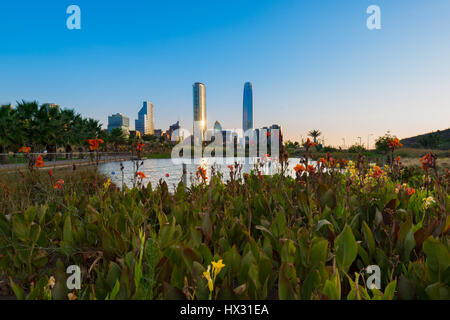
(436, 140)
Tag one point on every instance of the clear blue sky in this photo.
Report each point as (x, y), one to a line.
(313, 64)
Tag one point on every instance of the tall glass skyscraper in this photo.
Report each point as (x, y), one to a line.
(144, 123)
(247, 114)
(200, 108)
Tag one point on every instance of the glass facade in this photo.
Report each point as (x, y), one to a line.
(248, 116)
(119, 120)
(200, 108)
(144, 124)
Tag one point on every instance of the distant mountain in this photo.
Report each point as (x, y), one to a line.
(436, 140)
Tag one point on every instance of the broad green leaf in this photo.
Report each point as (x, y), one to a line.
(346, 249)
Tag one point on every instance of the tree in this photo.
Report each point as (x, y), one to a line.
(314, 134)
(430, 140)
(117, 137)
(381, 144)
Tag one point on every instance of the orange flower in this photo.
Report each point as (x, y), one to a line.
(323, 161)
(39, 162)
(299, 168)
(410, 191)
(231, 167)
(50, 173)
(141, 175)
(25, 150)
(310, 144)
(140, 146)
(59, 184)
(377, 172)
(246, 176)
(201, 173)
(394, 143)
(94, 143)
(427, 162)
(311, 169)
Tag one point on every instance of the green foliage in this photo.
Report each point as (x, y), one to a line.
(279, 238)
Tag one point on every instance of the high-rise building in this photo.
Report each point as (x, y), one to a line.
(119, 120)
(217, 126)
(200, 108)
(144, 124)
(247, 114)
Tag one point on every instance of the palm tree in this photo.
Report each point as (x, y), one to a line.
(117, 137)
(314, 134)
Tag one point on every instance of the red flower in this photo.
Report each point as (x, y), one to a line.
(299, 168)
(231, 167)
(427, 162)
(377, 172)
(310, 144)
(410, 191)
(50, 173)
(59, 184)
(394, 143)
(140, 146)
(94, 143)
(141, 175)
(39, 162)
(311, 169)
(25, 150)
(201, 173)
(167, 175)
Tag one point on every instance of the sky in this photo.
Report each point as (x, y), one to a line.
(313, 64)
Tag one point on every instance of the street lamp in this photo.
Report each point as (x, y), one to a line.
(359, 140)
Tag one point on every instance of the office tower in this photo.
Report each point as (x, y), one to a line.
(248, 116)
(217, 126)
(144, 123)
(119, 120)
(200, 108)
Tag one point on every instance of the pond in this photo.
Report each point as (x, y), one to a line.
(165, 169)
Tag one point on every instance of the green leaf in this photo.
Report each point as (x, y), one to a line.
(438, 257)
(115, 290)
(319, 252)
(346, 249)
(67, 231)
(389, 292)
(20, 228)
(438, 291)
(18, 291)
(368, 236)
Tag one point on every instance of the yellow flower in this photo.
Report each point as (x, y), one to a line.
(107, 184)
(72, 296)
(207, 276)
(51, 282)
(217, 266)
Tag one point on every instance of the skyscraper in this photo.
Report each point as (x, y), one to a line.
(144, 123)
(119, 120)
(247, 114)
(200, 108)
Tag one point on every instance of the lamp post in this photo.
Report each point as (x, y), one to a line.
(359, 140)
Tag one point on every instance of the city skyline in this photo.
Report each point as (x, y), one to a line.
(316, 65)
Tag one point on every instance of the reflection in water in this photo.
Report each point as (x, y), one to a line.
(165, 169)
